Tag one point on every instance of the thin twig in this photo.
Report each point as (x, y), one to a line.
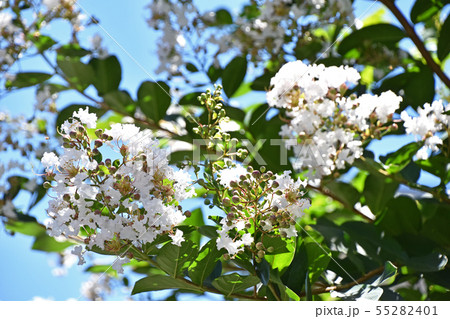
(409, 29)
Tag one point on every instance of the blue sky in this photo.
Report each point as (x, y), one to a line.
(25, 273)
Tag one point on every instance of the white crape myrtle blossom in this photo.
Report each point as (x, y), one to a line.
(114, 203)
(430, 121)
(324, 123)
(276, 206)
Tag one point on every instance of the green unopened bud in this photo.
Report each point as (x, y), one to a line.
(66, 197)
(275, 184)
(207, 201)
(230, 216)
(98, 143)
(259, 246)
(235, 199)
(275, 209)
(262, 169)
(47, 185)
(226, 202)
(188, 213)
(226, 257)
(271, 249)
(123, 150)
(261, 254)
(256, 174)
(99, 133)
(248, 225)
(233, 184)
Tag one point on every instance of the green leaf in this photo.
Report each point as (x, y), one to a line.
(42, 42)
(233, 75)
(437, 165)
(281, 261)
(443, 47)
(16, 183)
(208, 231)
(154, 99)
(262, 83)
(233, 283)
(196, 219)
(108, 74)
(384, 33)
(191, 67)
(27, 228)
(80, 75)
(400, 158)
(401, 216)
(190, 99)
(120, 101)
(214, 73)
(344, 191)
(205, 262)
(101, 269)
(279, 244)
(72, 50)
(378, 245)
(308, 292)
(429, 263)
(223, 17)
(173, 259)
(243, 89)
(50, 244)
(26, 79)
(388, 275)
(416, 87)
(378, 191)
(424, 10)
(161, 282)
(67, 112)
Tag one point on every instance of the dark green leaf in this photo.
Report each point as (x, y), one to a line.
(120, 101)
(173, 259)
(424, 10)
(233, 75)
(107, 72)
(389, 272)
(401, 216)
(436, 165)
(400, 158)
(161, 282)
(27, 228)
(429, 263)
(73, 50)
(223, 17)
(263, 271)
(191, 67)
(378, 191)
(26, 79)
(196, 219)
(79, 75)
(384, 33)
(344, 191)
(262, 83)
(190, 99)
(205, 262)
(154, 99)
(233, 283)
(15, 185)
(214, 73)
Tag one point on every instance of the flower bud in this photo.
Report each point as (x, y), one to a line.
(256, 174)
(226, 202)
(275, 184)
(99, 133)
(262, 169)
(187, 213)
(207, 201)
(271, 249)
(261, 254)
(230, 216)
(66, 197)
(137, 196)
(123, 150)
(226, 257)
(98, 143)
(235, 199)
(233, 184)
(47, 185)
(259, 246)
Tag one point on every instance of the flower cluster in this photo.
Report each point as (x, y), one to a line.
(259, 205)
(111, 203)
(321, 118)
(431, 120)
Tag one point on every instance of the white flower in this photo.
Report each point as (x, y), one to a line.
(78, 251)
(228, 175)
(50, 159)
(5, 20)
(90, 119)
(177, 238)
(117, 265)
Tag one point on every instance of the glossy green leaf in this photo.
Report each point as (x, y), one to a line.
(223, 17)
(233, 75)
(429, 263)
(423, 10)
(73, 50)
(205, 262)
(26, 79)
(344, 191)
(398, 160)
(27, 228)
(42, 42)
(173, 259)
(107, 72)
(161, 282)
(154, 99)
(233, 283)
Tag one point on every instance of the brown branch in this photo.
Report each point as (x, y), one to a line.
(409, 29)
(367, 276)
